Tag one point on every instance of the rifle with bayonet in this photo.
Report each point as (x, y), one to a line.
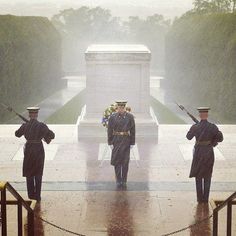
(12, 110)
(214, 143)
(189, 114)
(47, 139)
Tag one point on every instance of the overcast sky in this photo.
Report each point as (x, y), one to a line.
(122, 8)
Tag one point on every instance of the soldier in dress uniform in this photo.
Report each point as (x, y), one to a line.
(207, 136)
(121, 137)
(34, 131)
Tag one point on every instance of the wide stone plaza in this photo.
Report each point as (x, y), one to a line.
(79, 191)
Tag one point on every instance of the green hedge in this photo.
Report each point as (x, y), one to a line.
(30, 61)
(201, 63)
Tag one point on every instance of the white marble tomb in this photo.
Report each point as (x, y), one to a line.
(117, 72)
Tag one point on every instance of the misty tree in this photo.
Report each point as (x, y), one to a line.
(200, 57)
(80, 28)
(143, 29)
(151, 32)
(84, 26)
(214, 6)
(87, 23)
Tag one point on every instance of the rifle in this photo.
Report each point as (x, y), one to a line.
(189, 114)
(214, 143)
(12, 110)
(47, 140)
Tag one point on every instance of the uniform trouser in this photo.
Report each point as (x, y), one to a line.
(121, 171)
(203, 188)
(34, 184)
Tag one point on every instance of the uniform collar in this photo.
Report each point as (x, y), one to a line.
(122, 114)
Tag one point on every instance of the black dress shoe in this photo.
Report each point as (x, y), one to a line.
(200, 201)
(31, 196)
(124, 185)
(205, 201)
(38, 199)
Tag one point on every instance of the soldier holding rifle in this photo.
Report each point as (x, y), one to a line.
(33, 164)
(207, 136)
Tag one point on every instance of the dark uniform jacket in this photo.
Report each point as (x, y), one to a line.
(34, 131)
(207, 136)
(121, 123)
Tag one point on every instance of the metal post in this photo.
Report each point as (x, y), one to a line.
(229, 218)
(30, 218)
(19, 217)
(215, 223)
(4, 212)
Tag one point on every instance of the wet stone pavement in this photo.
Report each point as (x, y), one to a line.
(79, 193)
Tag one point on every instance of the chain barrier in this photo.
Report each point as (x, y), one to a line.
(58, 227)
(188, 227)
(168, 234)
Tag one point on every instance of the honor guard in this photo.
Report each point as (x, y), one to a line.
(33, 163)
(121, 137)
(207, 136)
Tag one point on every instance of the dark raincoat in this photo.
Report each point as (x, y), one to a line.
(203, 155)
(121, 123)
(34, 131)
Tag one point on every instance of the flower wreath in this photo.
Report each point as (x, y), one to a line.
(109, 111)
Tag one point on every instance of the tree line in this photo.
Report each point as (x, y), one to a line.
(84, 26)
(200, 60)
(213, 6)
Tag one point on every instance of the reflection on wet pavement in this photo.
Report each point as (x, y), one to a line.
(81, 196)
(39, 226)
(204, 228)
(120, 221)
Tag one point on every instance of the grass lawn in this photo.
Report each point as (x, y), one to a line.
(163, 114)
(68, 114)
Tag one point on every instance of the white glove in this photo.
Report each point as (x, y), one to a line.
(131, 146)
(111, 147)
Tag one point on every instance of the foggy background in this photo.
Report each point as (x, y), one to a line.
(121, 8)
(86, 22)
(192, 43)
